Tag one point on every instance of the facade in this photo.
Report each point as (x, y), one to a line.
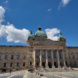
(40, 53)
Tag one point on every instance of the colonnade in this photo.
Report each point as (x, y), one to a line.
(52, 58)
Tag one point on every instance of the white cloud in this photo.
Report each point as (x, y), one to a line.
(49, 9)
(63, 3)
(11, 33)
(2, 11)
(51, 33)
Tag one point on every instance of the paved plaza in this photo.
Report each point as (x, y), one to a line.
(50, 74)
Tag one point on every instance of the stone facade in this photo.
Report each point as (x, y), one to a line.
(39, 53)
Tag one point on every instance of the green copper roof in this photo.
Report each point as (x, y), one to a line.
(60, 36)
(40, 33)
(31, 34)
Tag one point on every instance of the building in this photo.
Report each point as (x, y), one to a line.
(39, 53)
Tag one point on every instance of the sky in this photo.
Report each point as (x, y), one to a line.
(19, 17)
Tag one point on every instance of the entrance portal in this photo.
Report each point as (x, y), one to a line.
(43, 64)
(49, 64)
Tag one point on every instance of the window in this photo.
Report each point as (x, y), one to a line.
(18, 57)
(73, 57)
(37, 53)
(30, 63)
(0, 57)
(48, 53)
(24, 57)
(59, 55)
(17, 64)
(31, 50)
(4, 64)
(12, 57)
(5, 57)
(11, 64)
(43, 55)
(24, 64)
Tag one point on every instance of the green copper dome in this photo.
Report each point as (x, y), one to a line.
(60, 36)
(31, 34)
(40, 33)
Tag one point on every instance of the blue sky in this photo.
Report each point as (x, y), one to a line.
(22, 16)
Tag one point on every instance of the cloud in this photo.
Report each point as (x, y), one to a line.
(51, 33)
(6, 1)
(11, 33)
(2, 11)
(63, 3)
(15, 35)
(49, 10)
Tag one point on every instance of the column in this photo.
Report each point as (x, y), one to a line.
(40, 56)
(46, 65)
(58, 61)
(63, 58)
(34, 59)
(52, 57)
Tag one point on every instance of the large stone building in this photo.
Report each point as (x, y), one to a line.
(39, 53)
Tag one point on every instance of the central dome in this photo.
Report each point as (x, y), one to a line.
(40, 33)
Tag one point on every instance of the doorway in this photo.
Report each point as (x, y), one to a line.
(55, 64)
(43, 64)
(49, 64)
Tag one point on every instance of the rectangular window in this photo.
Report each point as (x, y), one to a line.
(24, 64)
(4, 64)
(5, 57)
(11, 64)
(12, 57)
(18, 57)
(0, 57)
(17, 64)
(30, 63)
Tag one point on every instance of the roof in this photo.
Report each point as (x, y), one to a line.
(31, 34)
(60, 36)
(40, 33)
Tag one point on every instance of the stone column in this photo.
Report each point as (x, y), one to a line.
(40, 56)
(52, 57)
(63, 58)
(58, 61)
(46, 64)
(34, 59)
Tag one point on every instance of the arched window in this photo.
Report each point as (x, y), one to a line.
(37, 53)
(12, 57)
(24, 57)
